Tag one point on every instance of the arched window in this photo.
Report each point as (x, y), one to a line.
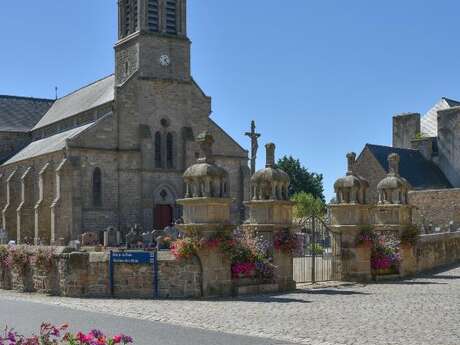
(170, 151)
(158, 156)
(171, 17)
(97, 187)
(152, 16)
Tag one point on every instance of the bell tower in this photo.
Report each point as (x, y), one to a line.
(152, 40)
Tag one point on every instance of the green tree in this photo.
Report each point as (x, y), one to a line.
(307, 205)
(301, 179)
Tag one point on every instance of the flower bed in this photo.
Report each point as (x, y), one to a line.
(385, 260)
(249, 255)
(286, 242)
(21, 270)
(52, 335)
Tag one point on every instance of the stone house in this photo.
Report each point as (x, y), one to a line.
(426, 145)
(421, 174)
(113, 152)
(428, 148)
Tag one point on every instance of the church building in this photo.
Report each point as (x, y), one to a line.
(112, 154)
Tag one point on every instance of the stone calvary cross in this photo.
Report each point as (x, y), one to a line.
(254, 146)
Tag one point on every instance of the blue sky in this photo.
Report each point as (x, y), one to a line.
(321, 78)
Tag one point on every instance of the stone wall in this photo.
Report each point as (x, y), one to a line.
(437, 250)
(436, 209)
(83, 274)
(369, 168)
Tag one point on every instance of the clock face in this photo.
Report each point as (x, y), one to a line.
(165, 60)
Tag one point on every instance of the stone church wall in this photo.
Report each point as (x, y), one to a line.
(31, 196)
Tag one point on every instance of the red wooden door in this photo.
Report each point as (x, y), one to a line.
(163, 216)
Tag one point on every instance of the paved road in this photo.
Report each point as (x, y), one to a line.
(422, 311)
(27, 317)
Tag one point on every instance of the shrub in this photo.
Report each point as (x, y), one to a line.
(316, 249)
(20, 258)
(44, 258)
(366, 236)
(184, 248)
(286, 242)
(410, 235)
(5, 259)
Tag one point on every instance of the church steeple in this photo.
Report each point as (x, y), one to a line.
(156, 16)
(152, 40)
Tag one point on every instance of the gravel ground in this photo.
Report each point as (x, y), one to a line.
(425, 310)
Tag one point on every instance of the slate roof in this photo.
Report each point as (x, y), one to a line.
(86, 98)
(20, 114)
(420, 172)
(429, 122)
(451, 102)
(47, 145)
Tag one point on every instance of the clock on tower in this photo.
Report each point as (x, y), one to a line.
(152, 40)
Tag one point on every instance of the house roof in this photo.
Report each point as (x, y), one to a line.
(451, 102)
(79, 101)
(47, 145)
(429, 122)
(20, 114)
(420, 172)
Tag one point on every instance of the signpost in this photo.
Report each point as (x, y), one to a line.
(135, 258)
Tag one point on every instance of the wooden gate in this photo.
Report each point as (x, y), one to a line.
(320, 257)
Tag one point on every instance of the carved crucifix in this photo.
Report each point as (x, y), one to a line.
(254, 146)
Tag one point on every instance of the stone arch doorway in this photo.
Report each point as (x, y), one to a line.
(164, 207)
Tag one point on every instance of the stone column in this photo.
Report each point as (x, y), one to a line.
(25, 211)
(267, 218)
(347, 221)
(205, 218)
(270, 212)
(206, 212)
(348, 217)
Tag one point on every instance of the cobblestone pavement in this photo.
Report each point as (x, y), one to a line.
(421, 311)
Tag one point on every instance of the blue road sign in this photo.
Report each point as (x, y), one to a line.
(136, 258)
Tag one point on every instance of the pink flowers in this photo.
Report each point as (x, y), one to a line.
(246, 269)
(286, 242)
(52, 335)
(385, 258)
